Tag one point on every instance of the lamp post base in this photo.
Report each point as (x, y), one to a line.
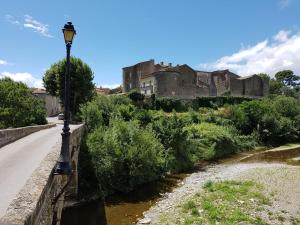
(63, 168)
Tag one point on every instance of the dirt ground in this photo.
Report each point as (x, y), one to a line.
(282, 184)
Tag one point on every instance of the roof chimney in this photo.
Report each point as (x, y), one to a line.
(170, 64)
(162, 63)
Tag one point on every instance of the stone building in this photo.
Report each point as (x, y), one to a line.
(52, 103)
(183, 82)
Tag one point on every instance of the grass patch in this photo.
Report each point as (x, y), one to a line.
(226, 203)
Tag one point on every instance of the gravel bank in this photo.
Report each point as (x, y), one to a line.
(193, 183)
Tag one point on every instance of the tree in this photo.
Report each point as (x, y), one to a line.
(18, 107)
(275, 87)
(287, 78)
(82, 86)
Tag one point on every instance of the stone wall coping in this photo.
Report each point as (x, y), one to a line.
(10, 135)
(28, 127)
(26, 206)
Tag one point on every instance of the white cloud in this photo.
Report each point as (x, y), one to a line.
(282, 36)
(30, 23)
(3, 62)
(285, 3)
(37, 26)
(26, 78)
(12, 20)
(110, 86)
(264, 57)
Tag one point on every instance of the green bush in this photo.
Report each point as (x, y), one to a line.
(273, 119)
(169, 129)
(125, 156)
(136, 97)
(217, 101)
(211, 141)
(168, 104)
(97, 112)
(18, 107)
(143, 116)
(287, 106)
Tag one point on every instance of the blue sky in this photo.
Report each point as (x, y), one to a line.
(244, 36)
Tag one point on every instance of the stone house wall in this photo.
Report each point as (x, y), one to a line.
(132, 74)
(183, 82)
(52, 104)
(148, 85)
(236, 87)
(167, 84)
(253, 86)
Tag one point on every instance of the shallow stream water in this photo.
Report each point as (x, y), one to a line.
(121, 209)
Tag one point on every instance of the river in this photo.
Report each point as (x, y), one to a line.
(121, 209)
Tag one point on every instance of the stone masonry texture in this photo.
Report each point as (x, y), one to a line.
(39, 202)
(183, 82)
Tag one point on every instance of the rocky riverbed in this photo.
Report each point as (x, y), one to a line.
(285, 179)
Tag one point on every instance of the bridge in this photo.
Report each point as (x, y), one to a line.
(30, 192)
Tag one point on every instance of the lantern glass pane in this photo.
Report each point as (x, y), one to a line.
(68, 35)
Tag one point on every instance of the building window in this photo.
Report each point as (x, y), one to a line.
(150, 83)
(144, 84)
(130, 85)
(130, 75)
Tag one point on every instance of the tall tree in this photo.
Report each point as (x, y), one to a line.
(288, 78)
(82, 86)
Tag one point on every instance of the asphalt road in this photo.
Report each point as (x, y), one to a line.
(19, 159)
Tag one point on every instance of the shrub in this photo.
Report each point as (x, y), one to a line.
(272, 119)
(143, 116)
(169, 129)
(218, 101)
(97, 112)
(287, 106)
(136, 97)
(125, 156)
(169, 104)
(18, 107)
(124, 112)
(211, 141)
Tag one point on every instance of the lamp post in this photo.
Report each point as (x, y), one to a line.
(63, 166)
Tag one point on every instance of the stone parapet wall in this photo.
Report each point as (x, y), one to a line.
(41, 200)
(10, 135)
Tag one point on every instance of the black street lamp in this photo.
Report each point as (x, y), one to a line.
(63, 166)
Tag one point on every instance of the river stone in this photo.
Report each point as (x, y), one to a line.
(145, 221)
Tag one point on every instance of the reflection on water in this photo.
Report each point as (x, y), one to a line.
(124, 209)
(285, 156)
(92, 213)
(121, 209)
